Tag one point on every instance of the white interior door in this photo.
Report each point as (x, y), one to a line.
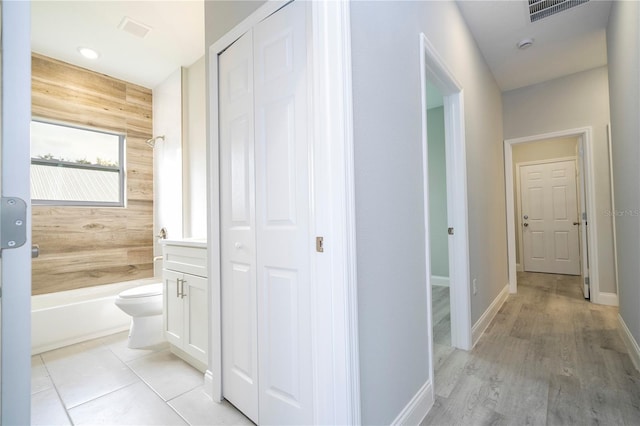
(15, 263)
(284, 244)
(265, 208)
(237, 224)
(550, 218)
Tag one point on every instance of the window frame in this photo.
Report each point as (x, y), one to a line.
(121, 169)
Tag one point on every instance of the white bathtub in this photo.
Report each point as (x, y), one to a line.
(67, 317)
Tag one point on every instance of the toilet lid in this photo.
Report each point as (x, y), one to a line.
(142, 291)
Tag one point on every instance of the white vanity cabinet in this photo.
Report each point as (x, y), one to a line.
(186, 290)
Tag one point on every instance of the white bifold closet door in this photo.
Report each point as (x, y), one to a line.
(265, 208)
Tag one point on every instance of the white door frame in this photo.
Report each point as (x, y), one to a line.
(579, 206)
(435, 70)
(334, 288)
(587, 189)
(16, 263)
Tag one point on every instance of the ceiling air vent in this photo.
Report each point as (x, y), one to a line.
(539, 9)
(134, 27)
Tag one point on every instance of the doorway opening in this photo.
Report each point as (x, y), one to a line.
(438, 221)
(587, 220)
(451, 238)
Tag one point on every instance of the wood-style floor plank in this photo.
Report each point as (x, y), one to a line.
(548, 358)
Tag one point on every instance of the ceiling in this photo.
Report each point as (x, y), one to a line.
(571, 41)
(176, 38)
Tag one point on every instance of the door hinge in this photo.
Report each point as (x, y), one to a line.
(584, 216)
(13, 222)
(450, 231)
(320, 244)
(586, 281)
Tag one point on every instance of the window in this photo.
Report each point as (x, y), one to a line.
(74, 166)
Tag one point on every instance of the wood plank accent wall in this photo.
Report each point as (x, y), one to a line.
(88, 246)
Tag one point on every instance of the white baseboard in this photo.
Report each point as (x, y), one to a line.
(610, 299)
(208, 384)
(630, 342)
(416, 410)
(438, 280)
(481, 325)
(519, 267)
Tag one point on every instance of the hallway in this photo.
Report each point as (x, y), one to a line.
(549, 357)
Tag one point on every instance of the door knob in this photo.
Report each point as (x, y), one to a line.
(576, 223)
(525, 224)
(238, 246)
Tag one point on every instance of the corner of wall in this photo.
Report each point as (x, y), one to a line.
(418, 408)
(483, 322)
(630, 342)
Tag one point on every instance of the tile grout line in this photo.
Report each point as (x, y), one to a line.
(55, 388)
(148, 385)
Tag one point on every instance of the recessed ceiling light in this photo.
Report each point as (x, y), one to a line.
(88, 53)
(525, 43)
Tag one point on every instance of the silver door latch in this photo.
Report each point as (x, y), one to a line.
(13, 222)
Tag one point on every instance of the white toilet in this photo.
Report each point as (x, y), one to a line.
(144, 304)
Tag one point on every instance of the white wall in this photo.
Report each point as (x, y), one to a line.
(537, 151)
(577, 100)
(221, 16)
(390, 236)
(194, 152)
(167, 160)
(623, 56)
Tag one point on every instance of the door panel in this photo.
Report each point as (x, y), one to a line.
(550, 211)
(237, 225)
(196, 310)
(282, 217)
(174, 308)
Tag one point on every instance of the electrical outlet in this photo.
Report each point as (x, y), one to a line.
(475, 286)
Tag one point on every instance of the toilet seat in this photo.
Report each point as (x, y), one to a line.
(142, 291)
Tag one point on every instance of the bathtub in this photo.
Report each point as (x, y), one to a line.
(67, 317)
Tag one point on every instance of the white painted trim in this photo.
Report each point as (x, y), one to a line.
(610, 299)
(483, 322)
(613, 205)
(425, 206)
(334, 311)
(630, 342)
(439, 281)
(585, 133)
(335, 324)
(416, 410)
(434, 69)
(519, 267)
(15, 371)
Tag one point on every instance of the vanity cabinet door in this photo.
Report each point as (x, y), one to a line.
(196, 329)
(173, 307)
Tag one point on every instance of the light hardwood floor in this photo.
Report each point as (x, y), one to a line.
(441, 315)
(549, 357)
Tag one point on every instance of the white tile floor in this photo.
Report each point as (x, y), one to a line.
(103, 382)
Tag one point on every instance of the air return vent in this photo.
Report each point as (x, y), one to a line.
(539, 9)
(133, 27)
